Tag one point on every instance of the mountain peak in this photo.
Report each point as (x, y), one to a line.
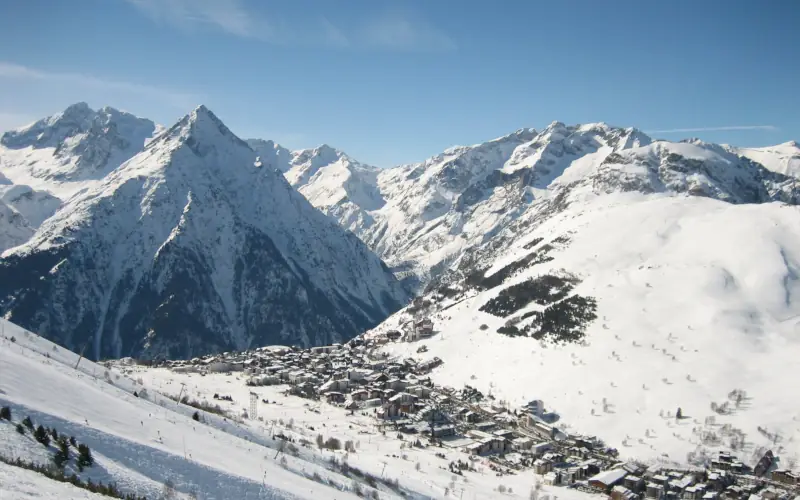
(200, 126)
(78, 107)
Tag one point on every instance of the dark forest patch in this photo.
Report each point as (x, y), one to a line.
(478, 279)
(561, 322)
(542, 290)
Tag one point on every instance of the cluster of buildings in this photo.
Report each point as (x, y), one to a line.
(400, 395)
(726, 478)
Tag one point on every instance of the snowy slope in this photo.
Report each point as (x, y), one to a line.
(141, 442)
(21, 484)
(423, 218)
(190, 248)
(783, 158)
(695, 297)
(271, 155)
(341, 187)
(71, 150)
(36, 206)
(14, 228)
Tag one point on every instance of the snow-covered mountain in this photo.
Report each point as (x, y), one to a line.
(71, 150)
(618, 309)
(22, 210)
(423, 218)
(188, 248)
(783, 158)
(271, 155)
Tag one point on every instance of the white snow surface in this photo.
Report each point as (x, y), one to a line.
(783, 158)
(421, 218)
(72, 150)
(695, 298)
(21, 484)
(140, 442)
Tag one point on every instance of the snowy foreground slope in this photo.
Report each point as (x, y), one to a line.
(141, 442)
(695, 298)
(191, 228)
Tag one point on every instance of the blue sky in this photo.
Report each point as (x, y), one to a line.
(393, 82)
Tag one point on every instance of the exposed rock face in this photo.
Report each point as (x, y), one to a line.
(189, 248)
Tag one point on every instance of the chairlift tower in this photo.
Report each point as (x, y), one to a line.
(253, 406)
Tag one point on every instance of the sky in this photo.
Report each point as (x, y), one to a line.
(393, 82)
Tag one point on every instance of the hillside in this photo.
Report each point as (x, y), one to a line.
(142, 442)
(189, 248)
(424, 218)
(616, 310)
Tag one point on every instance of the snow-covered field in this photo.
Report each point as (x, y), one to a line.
(695, 298)
(21, 484)
(141, 442)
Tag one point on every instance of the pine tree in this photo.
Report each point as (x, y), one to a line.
(41, 435)
(21, 429)
(27, 422)
(62, 455)
(84, 456)
(73, 442)
(5, 413)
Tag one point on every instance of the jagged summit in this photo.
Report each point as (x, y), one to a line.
(67, 151)
(188, 248)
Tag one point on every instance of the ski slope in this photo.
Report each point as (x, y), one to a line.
(695, 298)
(140, 443)
(21, 484)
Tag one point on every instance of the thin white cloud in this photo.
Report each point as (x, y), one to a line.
(177, 99)
(772, 128)
(401, 32)
(390, 31)
(230, 16)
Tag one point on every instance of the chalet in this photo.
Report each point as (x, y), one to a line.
(419, 390)
(522, 443)
(633, 483)
(373, 403)
(654, 490)
(695, 492)
(334, 397)
(542, 466)
(393, 335)
(396, 384)
(470, 416)
(485, 426)
(440, 431)
(504, 433)
(359, 374)
(786, 477)
(607, 479)
(539, 449)
(535, 407)
(423, 328)
(359, 395)
(622, 493)
(478, 448)
(552, 479)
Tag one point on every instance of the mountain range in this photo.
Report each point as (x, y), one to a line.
(192, 222)
(189, 246)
